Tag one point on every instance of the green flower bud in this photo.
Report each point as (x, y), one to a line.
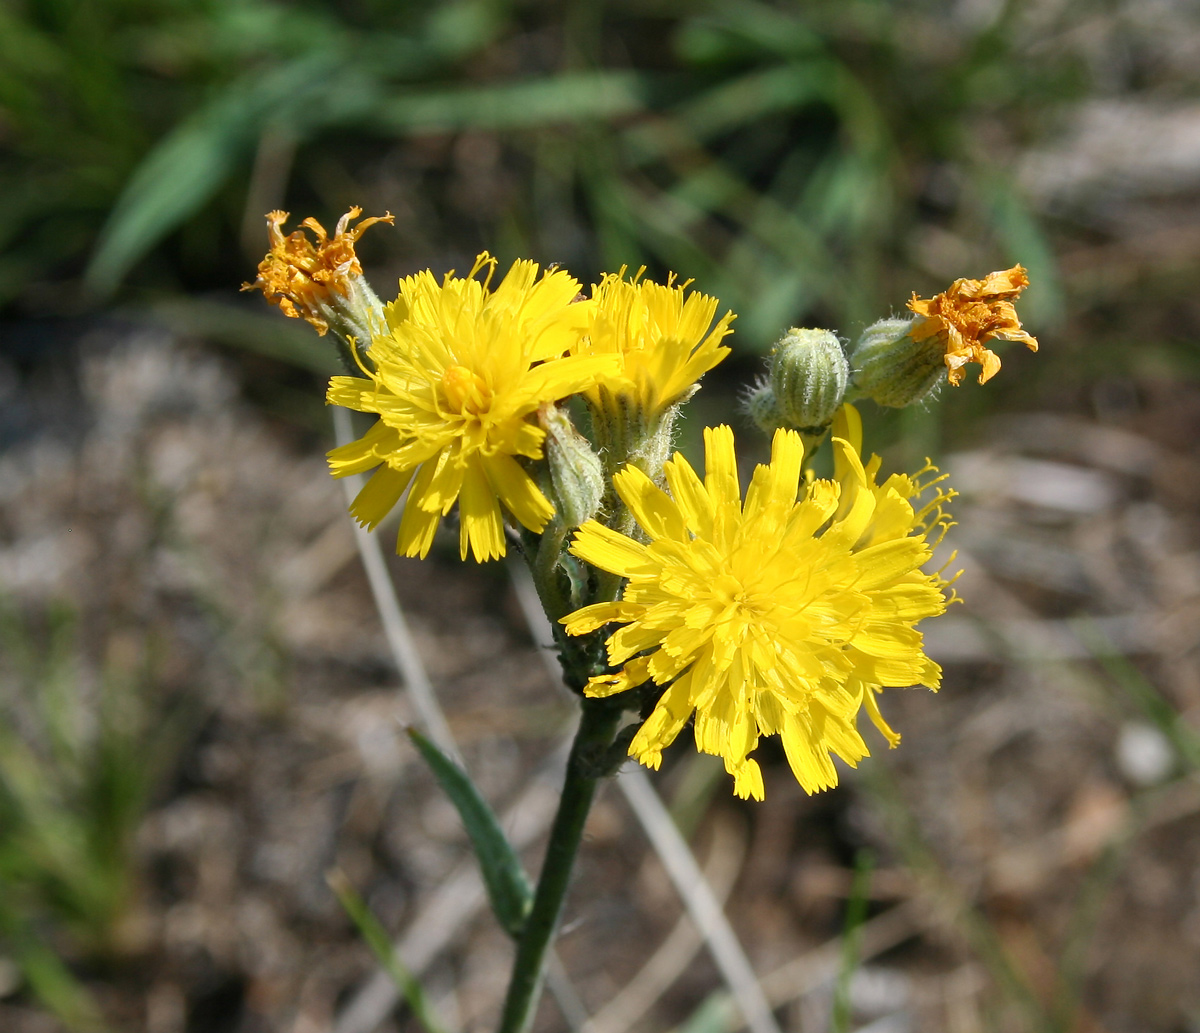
(762, 408)
(808, 376)
(576, 474)
(894, 370)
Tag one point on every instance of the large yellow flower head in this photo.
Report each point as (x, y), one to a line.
(663, 336)
(785, 615)
(456, 378)
(968, 314)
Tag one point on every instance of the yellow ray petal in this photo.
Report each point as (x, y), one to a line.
(379, 495)
(481, 527)
(609, 550)
(666, 721)
(516, 489)
(720, 463)
(649, 504)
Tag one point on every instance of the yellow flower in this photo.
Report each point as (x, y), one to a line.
(663, 337)
(783, 615)
(455, 379)
(308, 282)
(968, 314)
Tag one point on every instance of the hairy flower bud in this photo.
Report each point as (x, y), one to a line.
(808, 377)
(894, 370)
(576, 474)
(761, 407)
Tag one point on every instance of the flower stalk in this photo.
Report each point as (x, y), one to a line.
(599, 721)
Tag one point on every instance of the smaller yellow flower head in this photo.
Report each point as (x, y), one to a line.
(661, 335)
(968, 314)
(456, 378)
(783, 615)
(301, 278)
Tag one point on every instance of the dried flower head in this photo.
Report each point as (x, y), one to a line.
(313, 282)
(968, 314)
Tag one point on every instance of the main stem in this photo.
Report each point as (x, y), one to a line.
(598, 722)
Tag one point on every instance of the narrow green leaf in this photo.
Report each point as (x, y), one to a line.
(503, 875)
(381, 946)
(194, 161)
(856, 913)
(567, 98)
(1026, 242)
(51, 982)
(1141, 692)
(174, 181)
(714, 1015)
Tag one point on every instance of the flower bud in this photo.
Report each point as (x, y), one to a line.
(761, 407)
(894, 370)
(808, 376)
(576, 474)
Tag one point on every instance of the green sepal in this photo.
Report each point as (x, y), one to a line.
(507, 886)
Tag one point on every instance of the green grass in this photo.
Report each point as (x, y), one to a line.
(77, 765)
(780, 154)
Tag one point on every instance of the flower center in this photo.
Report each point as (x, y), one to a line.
(728, 590)
(466, 392)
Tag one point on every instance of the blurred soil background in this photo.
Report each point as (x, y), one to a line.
(200, 717)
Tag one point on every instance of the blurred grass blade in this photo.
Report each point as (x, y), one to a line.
(1090, 900)
(732, 29)
(507, 886)
(980, 934)
(55, 986)
(1026, 243)
(856, 913)
(173, 182)
(753, 96)
(569, 98)
(381, 946)
(1155, 707)
(713, 1016)
(187, 168)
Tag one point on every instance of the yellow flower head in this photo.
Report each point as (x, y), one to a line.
(455, 379)
(662, 337)
(785, 614)
(304, 280)
(968, 314)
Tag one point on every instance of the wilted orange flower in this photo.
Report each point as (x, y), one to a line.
(302, 279)
(967, 315)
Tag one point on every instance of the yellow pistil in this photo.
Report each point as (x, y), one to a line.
(466, 393)
(786, 614)
(304, 280)
(968, 314)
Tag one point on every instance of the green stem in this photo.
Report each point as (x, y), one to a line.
(598, 722)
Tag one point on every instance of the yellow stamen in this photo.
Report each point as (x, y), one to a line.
(466, 392)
